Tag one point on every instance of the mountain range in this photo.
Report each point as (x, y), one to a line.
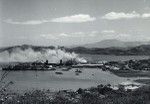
(114, 43)
(106, 47)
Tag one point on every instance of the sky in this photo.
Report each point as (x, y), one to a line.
(73, 22)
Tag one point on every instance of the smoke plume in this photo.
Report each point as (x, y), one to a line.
(29, 55)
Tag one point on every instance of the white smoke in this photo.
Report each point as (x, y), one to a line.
(29, 55)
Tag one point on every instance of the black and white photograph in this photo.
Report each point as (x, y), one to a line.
(74, 51)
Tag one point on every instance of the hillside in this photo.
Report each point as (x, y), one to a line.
(139, 50)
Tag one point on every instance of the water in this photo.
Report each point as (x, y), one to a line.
(28, 80)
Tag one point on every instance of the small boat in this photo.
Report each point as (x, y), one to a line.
(60, 73)
(78, 71)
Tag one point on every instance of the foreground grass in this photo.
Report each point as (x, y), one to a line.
(95, 95)
(131, 73)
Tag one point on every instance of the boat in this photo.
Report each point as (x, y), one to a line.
(60, 73)
(78, 71)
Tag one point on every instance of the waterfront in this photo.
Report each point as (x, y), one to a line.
(28, 80)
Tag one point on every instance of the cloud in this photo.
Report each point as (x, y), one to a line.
(72, 35)
(107, 31)
(121, 15)
(79, 18)
(79, 34)
(63, 35)
(93, 33)
(146, 15)
(49, 36)
(32, 22)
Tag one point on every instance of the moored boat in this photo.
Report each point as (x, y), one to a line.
(60, 73)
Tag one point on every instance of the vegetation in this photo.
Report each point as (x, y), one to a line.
(102, 94)
(3, 83)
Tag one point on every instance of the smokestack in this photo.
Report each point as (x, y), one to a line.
(61, 62)
(46, 62)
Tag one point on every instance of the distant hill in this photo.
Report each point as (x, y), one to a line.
(113, 43)
(137, 50)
